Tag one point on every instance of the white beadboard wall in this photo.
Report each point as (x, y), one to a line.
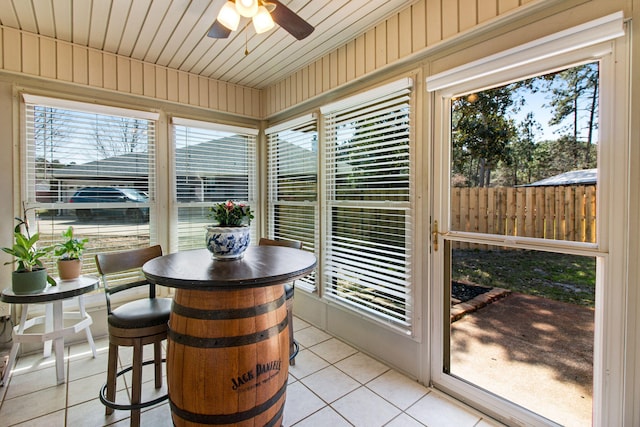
(409, 31)
(43, 57)
(422, 25)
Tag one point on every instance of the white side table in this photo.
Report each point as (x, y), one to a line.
(53, 320)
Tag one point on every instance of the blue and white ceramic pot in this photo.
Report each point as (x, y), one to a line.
(228, 243)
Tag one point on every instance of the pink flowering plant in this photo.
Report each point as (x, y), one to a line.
(231, 214)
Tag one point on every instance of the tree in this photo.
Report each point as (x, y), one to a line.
(50, 132)
(481, 133)
(120, 136)
(574, 99)
(487, 147)
(522, 152)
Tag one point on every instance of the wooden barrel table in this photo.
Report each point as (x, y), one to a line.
(228, 342)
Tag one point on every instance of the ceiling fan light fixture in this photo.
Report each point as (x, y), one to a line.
(263, 21)
(247, 8)
(228, 16)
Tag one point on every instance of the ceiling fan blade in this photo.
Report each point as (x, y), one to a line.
(218, 31)
(287, 19)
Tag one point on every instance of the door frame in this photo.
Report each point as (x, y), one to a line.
(613, 182)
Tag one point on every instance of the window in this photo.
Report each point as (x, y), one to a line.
(93, 168)
(212, 163)
(368, 208)
(292, 199)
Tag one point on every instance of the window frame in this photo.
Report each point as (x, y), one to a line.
(253, 190)
(398, 88)
(27, 172)
(307, 123)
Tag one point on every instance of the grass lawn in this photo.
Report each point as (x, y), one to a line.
(561, 277)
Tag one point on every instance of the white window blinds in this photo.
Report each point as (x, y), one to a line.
(292, 200)
(212, 163)
(91, 167)
(368, 207)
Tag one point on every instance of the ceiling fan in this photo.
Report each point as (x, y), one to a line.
(263, 14)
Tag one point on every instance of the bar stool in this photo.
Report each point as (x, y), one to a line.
(133, 324)
(288, 289)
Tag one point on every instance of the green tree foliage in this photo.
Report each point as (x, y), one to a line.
(574, 96)
(482, 132)
(488, 148)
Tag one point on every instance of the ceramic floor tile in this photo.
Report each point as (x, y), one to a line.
(34, 405)
(299, 324)
(49, 420)
(290, 378)
(88, 367)
(323, 418)
(403, 420)
(333, 350)
(306, 364)
(398, 389)
(313, 382)
(300, 403)
(148, 374)
(330, 383)
(29, 382)
(435, 410)
(33, 362)
(364, 408)
(311, 336)
(82, 349)
(361, 367)
(91, 413)
(159, 416)
(150, 392)
(88, 388)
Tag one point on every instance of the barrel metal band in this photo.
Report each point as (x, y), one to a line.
(231, 341)
(226, 314)
(213, 419)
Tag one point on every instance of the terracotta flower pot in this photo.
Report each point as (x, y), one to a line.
(69, 269)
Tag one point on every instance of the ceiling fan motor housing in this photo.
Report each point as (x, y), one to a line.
(266, 13)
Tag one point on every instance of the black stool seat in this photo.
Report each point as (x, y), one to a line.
(141, 313)
(288, 290)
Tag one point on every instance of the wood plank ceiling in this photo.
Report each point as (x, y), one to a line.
(172, 33)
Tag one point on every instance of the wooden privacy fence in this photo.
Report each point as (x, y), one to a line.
(560, 213)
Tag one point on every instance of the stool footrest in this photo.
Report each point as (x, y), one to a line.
(296, 348)
(122, 407)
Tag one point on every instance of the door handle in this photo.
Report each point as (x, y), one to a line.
(435, 232)
(434, 235)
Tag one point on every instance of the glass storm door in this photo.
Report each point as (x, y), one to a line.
(517, 255)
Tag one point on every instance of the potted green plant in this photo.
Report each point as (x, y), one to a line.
(69, 254)
(30, 276)
(229, 236)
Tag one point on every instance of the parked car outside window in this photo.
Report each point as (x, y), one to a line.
(111, 195)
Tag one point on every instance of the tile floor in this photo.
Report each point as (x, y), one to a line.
(332, 384)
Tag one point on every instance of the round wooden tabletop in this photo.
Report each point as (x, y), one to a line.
(260, 266)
